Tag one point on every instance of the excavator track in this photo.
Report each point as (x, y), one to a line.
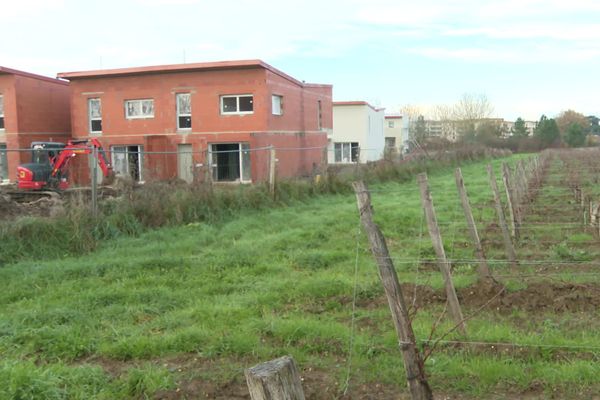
(31, 196)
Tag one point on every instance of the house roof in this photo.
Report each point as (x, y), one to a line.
(205, 66)
(394, 117)
(11, 71)
(356, 103)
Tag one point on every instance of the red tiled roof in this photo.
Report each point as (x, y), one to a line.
(10, 71)
(205, 66)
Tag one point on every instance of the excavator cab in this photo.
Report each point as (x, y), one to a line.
(38, 173)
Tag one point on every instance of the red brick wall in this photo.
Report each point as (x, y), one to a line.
(42, 106)
(206, 87)
(296, 128)
(34, 110)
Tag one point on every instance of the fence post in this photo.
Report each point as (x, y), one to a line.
(512, 200)
(278, 379)
(413, 363)
(483, 268)
(510, 250)
(94, 181)
(272, 166)
(208, 170)
(438, 245)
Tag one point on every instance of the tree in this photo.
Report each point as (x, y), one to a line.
(418, 130)
(472, 107)
(468, 111)
(575, 136)
(569, 117)
(520, 130)
(547, 131)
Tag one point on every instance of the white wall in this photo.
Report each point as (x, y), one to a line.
(375, 136)
(361, 124)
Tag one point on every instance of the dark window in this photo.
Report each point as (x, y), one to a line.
(246, 104)
(185, 122)
(96, 125)
(230, 104)
(1, 122)
(237, 104)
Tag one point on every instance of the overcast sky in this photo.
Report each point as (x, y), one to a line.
(529, 57)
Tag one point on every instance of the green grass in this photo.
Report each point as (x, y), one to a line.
(126, 320)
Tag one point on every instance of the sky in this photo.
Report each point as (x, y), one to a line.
(528, 57)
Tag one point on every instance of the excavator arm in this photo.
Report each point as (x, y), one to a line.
(75, 147)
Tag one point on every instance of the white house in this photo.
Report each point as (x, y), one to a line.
(358, 134)
(396, 132)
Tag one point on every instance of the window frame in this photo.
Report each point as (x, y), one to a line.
(237, 103)
(319, 115)
(4, 173)
(90, 118)
(126, 153)
(127, 116)
(391, 124)
(244, 162)
(3, 122)
(349, 147)
(280, 97)
(180, 114)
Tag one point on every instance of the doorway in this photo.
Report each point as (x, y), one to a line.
(127, 161)
(230, 162)
(185, 163)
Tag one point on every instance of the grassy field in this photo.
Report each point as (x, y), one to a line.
(180, 312)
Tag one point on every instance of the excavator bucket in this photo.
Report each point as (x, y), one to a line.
(109, 179)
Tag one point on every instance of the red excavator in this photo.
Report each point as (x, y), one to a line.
(48, 169)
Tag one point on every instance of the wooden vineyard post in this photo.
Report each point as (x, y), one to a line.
(483, 268)
(324, 162)
(443, 264)
(208, 177)
(95, 182)
(278, 379)
(272, 166)
(413, 363)
(510, 250)
(509, 186)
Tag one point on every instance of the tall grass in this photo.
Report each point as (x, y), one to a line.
(159, 204)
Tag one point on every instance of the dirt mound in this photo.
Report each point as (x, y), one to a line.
(43, 207)
(8, 208)
(536, 297)
(539, 296)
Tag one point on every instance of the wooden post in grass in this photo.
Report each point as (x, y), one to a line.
(483, 268)
(510, 250)
(94, 181)
(438, 245)
(583, 211)
(324, 162)
(278, 379)
(413, 363)
(208, 170)
(511, 199)
(272, 166)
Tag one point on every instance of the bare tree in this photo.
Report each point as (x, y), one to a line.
(472, 107)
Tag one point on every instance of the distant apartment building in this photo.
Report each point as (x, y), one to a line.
(32, 108)
(220, 114)
(396, 132)
(530, 126)
(444, 129)
(358, 133)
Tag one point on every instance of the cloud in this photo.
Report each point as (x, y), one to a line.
(524, 55)
(26, 8)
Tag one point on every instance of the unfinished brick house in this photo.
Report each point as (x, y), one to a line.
(32, 108)
(223, 111)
